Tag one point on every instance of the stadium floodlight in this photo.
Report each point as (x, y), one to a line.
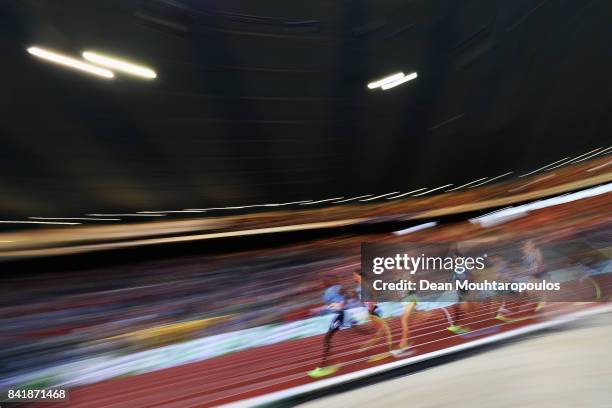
(399, 81)
(385, 80)
(119, 65)
(70, 62)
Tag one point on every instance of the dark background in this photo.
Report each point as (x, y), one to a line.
(266, 101)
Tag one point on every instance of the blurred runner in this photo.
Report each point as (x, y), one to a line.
(410, 302)
(463, 305)
(374, 315)
(533, 262)
(335, 300)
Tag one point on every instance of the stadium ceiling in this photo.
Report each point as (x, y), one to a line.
(268, 101)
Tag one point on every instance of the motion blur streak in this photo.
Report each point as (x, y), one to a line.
(75, 218)
(39, 222)
(467, 184)
(432, 190)
(119, 65)
(544, 167)
(385, 80)
(239, 323)
(492, 179)
(70, 62)
(398, 82)
(407, 193)
(379, 196)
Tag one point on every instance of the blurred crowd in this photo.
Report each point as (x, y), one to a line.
(327, 215)
(56, 317)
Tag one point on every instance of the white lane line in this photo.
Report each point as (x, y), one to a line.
(321, 384)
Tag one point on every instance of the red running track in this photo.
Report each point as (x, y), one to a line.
(272, 368)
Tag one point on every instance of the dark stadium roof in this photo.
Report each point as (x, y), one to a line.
(267, 101)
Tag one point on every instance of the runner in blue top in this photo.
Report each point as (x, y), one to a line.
(334, 298)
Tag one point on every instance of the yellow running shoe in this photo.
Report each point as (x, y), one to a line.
(323, 371)
(458, 329)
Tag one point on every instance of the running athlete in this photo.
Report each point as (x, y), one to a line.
(410, 302)
(463, 305)
(334, 297)
(534, 263)
(375, 317)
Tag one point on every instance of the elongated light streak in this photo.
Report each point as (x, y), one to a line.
(432, 190)
(492, 179)
(548, 202)
(352, 198)
(379, 196)
(170, 212)
(119, 65)
(322, 201)
(405, 194)
(468, 184)
(531, 182)
(70, 62)
(593, 155)
(126, 215)
(240, 207)
(601, 166)
(75, 218)
(545, 167)
(39, 222)
(415, 228)
(289, 203)
(387, 79)
(577, 157)
(407, 78)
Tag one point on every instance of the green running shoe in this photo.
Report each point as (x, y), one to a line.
(458, 329)
(323, 371)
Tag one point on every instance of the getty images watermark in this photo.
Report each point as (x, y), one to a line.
(393, 271)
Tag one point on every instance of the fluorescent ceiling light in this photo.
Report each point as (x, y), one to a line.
(400, 81)
(70, 62)
(119, 65)
(385, 80)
